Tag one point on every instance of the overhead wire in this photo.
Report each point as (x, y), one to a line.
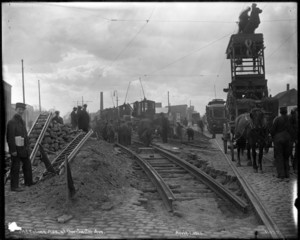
(282, 44)
(128, 44)
(57, 4)
(191, 53)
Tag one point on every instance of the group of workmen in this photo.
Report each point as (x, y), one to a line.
(80, 118)
(248, 24)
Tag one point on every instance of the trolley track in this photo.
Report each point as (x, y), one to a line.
(260, 211)
(182, 180)
(259, 208)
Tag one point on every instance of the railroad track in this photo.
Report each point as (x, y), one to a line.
(68, 152)
(178, 180)
(259, 208)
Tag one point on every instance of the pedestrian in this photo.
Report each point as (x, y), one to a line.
(282, 134)
(19, 150)
(164, 128)
(293, 117)
(200, 125)
(179, 128)
(74, 118)
(190, 133)
(83, 119)
(185, 122)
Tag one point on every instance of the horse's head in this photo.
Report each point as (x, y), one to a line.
(258, 118)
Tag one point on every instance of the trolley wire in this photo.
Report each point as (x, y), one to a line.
(130, 42)
(282, 44)
(190, 53)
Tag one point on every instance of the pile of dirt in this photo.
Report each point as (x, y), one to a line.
(100, 177)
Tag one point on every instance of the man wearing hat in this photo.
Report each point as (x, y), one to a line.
(18, 144)
(57, 118)
(282, 133)
(74, 118)
(83, 119)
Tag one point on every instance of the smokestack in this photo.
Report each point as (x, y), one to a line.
(288, 87)
(101, 101)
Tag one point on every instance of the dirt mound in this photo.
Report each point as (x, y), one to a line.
(99, 176)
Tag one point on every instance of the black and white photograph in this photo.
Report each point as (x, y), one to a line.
(144, 120)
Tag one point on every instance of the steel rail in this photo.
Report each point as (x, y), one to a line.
(257, 204)
(199, 146)
(40, 138)
(67, 149)
(32, 127)
(60, 154)
(163, 189)
(205, 178)
(75, 151)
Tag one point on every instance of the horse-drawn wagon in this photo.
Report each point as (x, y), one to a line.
(249, 109)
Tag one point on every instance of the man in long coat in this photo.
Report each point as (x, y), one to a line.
(282, 133)
(74, 118)
(18, 144)
(164, 128)
(84, 119)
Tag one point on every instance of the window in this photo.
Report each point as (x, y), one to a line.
(219, 113)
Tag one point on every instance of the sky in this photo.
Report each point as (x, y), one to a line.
(132, 50)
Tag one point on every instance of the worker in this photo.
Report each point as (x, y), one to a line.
(243, 20)
(74, 122)
(164, 128)
(282, 134)
(18, 143)
(84, 119)
(57, 118)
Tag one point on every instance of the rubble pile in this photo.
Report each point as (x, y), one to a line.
(100, 177)
(56, 137)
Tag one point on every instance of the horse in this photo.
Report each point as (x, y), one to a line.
(251, 132)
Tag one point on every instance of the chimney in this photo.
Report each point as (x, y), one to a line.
(288, 87)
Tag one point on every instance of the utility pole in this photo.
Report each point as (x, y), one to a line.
(23, 82)
(168, 102)
(26, 113)
(117, 101)
(39, 96)
(215, 91)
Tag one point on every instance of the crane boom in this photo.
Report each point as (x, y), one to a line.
(127, 92)
(142, 88)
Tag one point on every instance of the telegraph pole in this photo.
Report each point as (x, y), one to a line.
(23, 82)
(168, 102)
(39, 96)
(26, 113)
(215, 91)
